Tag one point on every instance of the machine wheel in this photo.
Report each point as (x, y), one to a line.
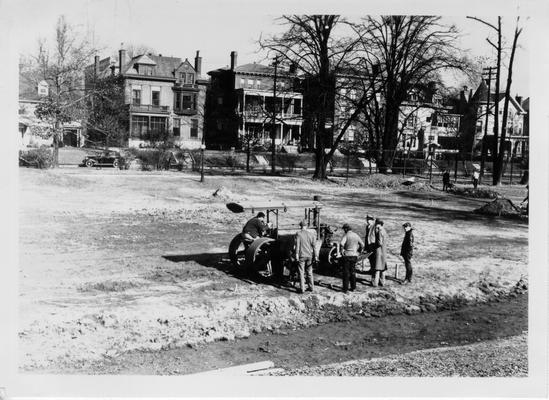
(115, 164)
(237, 251)
(90, 163)
(259, 256)
(328, 256)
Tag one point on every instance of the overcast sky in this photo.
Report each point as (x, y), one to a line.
(179, 28)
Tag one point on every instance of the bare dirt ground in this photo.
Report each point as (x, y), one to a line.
(115, 261)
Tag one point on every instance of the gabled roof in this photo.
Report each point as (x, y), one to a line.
(143, 59)
(481, 95)
(165, 66)
(28, 89)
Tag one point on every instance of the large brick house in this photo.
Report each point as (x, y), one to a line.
(474, 109)
(241, 101)
(165, 97)
(425, 122)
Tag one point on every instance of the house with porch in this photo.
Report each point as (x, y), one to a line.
(426, 124)
(481, 112)
(34, 132)
(165, 97)
(242, 100)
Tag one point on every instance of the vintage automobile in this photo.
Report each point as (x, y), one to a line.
(106, 158)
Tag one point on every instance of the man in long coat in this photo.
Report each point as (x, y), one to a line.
(370, 242)
(380, 254)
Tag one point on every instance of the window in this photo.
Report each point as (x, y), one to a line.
(176, 127)
(428, 119)
(258, 84)
(479, 126)
(136, 97)
(242, 82)
(220, 100)
(155, 96)
(189, 79)
(194, 128)
(158, 125)
(140, 125)
(297, 106)
(413, 96)
(188, 101)
(250, 83)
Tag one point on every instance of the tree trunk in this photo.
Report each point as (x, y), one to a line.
(498, 172)
(55, 155)
(248, 153)
(320, 155)
(495, 171)
(389, 138)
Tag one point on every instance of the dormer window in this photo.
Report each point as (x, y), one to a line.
(43, 88)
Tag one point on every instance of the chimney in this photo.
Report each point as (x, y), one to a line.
(233, 60)
(121, 60)
(198, 63)
(519, 100)
(96, 66)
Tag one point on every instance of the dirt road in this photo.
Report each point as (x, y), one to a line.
(357, 337)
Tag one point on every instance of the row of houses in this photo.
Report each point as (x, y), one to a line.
(171, 97)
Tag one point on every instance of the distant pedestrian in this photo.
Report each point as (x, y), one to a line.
(407, 251)
(446, 180)
(351, 245)
(476, 177)
(305, 241)
(380, 254)
(370, 241)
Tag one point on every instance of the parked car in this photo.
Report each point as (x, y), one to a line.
(105, 159)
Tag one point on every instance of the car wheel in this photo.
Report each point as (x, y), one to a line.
(90, 163)
(115, 163)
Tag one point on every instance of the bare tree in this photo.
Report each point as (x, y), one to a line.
(63, 68)
(406, 51)
(312, 44)
(498, 171)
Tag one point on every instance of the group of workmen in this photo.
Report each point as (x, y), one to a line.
(351, 246)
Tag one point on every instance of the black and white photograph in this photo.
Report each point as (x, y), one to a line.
(226, 191)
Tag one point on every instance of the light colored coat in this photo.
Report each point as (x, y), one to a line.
(381, 248)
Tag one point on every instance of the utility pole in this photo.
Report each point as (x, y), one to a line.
(273, 121)
(483, 144)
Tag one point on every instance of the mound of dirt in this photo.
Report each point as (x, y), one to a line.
(499, 207)
(223, 193)
(476, 193)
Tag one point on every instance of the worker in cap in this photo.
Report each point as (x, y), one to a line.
(351, 245)
(407, 250)
(305, 254)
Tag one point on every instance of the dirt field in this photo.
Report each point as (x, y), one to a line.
(113, 261)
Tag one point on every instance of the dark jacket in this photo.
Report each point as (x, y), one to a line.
(407, 248)
(255, 227)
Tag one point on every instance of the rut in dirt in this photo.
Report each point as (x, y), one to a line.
(357, 338)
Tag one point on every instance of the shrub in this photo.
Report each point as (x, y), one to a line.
(38, 158)
(287, 161)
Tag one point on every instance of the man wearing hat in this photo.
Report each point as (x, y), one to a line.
(351, 245)
(370, 241)
(255, 227)
(407, 250)
(305, 254)
(380, 254)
